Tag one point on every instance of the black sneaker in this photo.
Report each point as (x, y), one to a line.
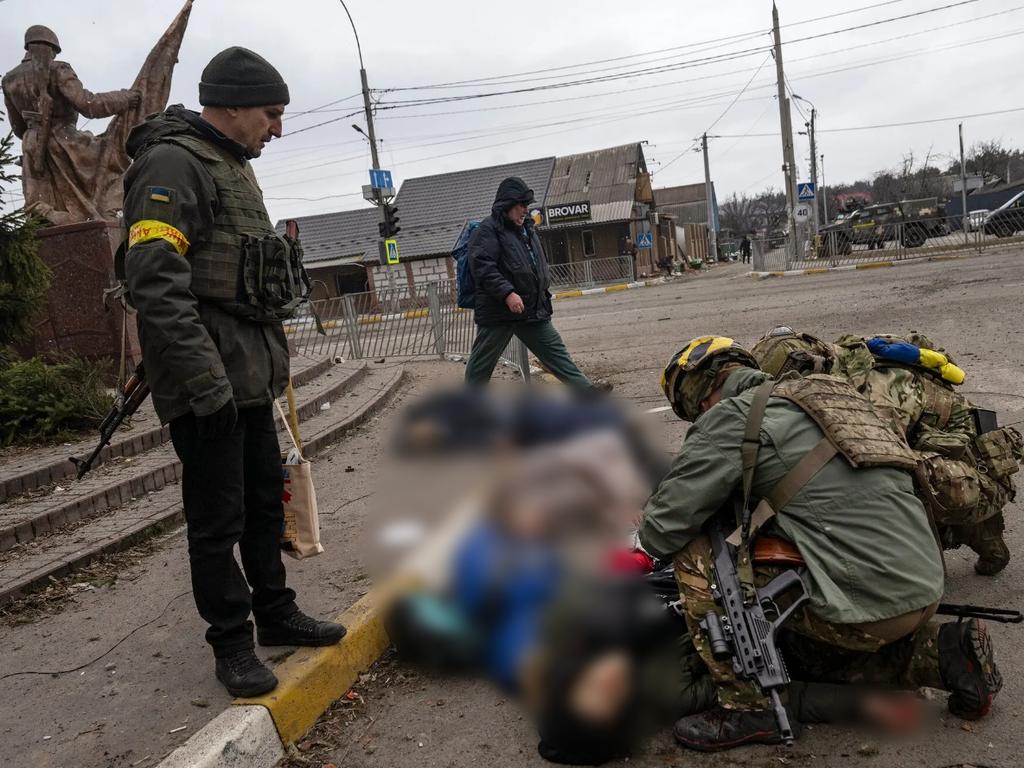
(968, 668)
(300, 629)
(243, 674)
(719, 728)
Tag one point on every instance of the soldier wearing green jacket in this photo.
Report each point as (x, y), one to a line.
(212, 282)
(874, 569)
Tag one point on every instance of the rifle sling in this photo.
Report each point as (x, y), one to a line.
(748, 451)
(789, 486)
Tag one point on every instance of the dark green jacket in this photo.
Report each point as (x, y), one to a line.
(864, 535)
(197, 356)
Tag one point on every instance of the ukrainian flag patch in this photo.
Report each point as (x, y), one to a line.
(160, 194)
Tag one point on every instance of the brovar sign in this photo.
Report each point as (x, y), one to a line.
(555, 214)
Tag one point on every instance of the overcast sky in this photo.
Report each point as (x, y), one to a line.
(861, 77)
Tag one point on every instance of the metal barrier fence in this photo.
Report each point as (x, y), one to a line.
(393, 322)
(592, 272)
(896, 241)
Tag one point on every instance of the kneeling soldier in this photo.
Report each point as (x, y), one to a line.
(834, 493)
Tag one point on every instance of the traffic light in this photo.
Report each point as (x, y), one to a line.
(389, 227)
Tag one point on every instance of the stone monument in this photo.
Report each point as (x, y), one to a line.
(73, 179)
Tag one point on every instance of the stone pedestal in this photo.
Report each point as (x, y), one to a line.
(74, 320)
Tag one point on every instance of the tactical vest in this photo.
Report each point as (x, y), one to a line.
(245, 267)
(848, 421)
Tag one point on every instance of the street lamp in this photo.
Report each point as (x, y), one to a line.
(814, 157)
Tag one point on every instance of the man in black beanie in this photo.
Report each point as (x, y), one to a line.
(216, 357)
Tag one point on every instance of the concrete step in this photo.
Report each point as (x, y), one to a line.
(29, 471)
(32, 565)
(26, 518)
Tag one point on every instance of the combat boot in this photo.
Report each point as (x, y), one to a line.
(993, 554)
(243, 674)
(300, 629)
(720, 728)
(968, 668)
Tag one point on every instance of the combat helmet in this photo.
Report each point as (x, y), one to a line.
(690, 375)
(37, 33)
(782, 350)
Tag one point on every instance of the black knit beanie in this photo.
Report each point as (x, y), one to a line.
(238, 77)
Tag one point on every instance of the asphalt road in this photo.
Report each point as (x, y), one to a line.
(972, 307)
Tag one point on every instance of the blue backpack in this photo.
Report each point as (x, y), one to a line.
(467, 286)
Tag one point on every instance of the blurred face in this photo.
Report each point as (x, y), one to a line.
(604, 688)
(517, 214)
(253, 127)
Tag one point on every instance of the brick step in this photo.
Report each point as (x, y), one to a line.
(32, 471)
(117, 483)
(31, 566)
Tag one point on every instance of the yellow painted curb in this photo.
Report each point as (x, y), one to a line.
(617, 288)
(944, 258)
(568, 294)
(875, 264)
(312, 678)
(817, 271)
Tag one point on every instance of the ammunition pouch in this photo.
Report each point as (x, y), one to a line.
(951, 490)
(273, 281)
(999, 453)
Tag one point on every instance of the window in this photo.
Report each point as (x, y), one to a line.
(588, 242)
(586, 184)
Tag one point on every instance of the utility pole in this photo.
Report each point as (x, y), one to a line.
(963, 186)
(824, 197)
(814, 171)
(788, 162)
(710, 203)
(378, 198)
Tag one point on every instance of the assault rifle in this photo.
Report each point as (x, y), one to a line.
(128, 400)
(1000, 615)
(746, 632)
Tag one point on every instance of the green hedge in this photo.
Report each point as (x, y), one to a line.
(42, 402)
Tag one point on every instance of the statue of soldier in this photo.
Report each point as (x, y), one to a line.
(71, 175)
(965, 475)
(44, 98)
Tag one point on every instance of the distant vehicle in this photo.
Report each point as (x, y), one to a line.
(976, 219)
(909, 221)
(1007, 219)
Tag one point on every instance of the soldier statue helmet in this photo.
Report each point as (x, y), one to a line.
(37, 33)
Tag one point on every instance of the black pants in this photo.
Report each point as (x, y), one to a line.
(231, 489)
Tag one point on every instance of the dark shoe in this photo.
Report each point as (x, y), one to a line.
(968, 668)
(720, 728)
(243, 674)
(300, 629)
(993, 556)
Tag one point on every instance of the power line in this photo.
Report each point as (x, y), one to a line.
(704, 43)
(704, 78)
(884, 125)
(671, 67)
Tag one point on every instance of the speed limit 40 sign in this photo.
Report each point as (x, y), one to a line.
(801, 213)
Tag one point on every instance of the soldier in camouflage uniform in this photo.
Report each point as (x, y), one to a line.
(965, 479)
(212, 282)
(874, 571)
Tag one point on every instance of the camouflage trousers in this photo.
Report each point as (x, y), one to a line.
(815, 650)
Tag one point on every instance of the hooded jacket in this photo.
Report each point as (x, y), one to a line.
(197, 356)
(501, 262)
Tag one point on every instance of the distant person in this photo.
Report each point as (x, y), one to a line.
(512, 296)
(745, 249)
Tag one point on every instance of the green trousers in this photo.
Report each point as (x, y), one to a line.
(540, 338)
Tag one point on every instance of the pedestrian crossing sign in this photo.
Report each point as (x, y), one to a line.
(644, 240)
(805, 191)
(391, 246)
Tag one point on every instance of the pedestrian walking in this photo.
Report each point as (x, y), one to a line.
(512, 297)
(215, 351)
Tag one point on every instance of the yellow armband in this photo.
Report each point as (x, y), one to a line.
(148, 229)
